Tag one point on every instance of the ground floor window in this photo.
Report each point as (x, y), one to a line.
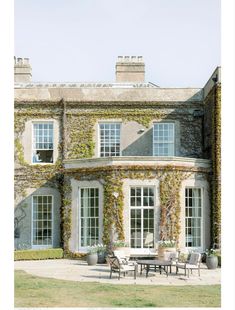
(142, 217)
(42, 220)
(89, 216)
(193, 217)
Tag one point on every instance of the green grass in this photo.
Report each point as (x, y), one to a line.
(32, 291)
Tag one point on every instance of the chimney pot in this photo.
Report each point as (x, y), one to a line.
(22, 70)
(130, 69)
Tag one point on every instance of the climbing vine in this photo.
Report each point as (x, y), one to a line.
(216, 168)
(170, 185)
(113, 207)
(213, 114)
(66, 214)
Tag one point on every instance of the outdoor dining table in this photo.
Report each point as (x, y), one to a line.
(155, 263)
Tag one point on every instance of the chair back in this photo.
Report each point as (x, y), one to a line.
(119, 253)
(122, 258)
(113, 261)
(194, 259)
(173, 256)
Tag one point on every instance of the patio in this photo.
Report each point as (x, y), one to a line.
(78, 270)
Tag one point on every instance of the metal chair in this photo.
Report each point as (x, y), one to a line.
(117, 265)
(173, 257)
(193, 263)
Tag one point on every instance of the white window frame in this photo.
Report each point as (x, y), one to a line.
(42, 246)
(142, 208)
(82, 248)
(154, 143)
(202, 219)
(32, 142)
(99, 137)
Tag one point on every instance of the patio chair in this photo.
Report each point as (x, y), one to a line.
(193, 263)
(172, 256)
(117, 265)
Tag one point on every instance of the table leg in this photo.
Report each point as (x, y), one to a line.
(141, 268)
(147, 270)
(160, 269)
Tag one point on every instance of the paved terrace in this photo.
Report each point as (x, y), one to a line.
(77, 270)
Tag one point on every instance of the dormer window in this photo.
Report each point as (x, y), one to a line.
(164, 139)
(43, 144)
(109, 139)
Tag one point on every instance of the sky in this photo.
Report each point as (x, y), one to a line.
(79, 40)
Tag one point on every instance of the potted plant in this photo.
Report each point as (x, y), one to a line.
(166, 246)
(101, 251)
(211, 259)
(92, 256)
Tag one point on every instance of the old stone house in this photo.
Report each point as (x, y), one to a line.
(127, 160)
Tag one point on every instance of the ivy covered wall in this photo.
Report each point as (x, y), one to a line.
(212, 150)
(77, 125)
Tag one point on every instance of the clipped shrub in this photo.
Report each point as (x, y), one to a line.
(74, 255)
(38, 254)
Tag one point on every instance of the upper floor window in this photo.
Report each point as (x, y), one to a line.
(164, 139)
(43, 143)
(109, 139)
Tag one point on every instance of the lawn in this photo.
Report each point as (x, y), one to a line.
(32, 291)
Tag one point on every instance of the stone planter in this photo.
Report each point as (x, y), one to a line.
(101, 258)
(125, 250)
(162, 252)
(92, 259)
(212, 262)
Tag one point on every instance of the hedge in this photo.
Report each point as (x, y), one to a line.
(38, 254)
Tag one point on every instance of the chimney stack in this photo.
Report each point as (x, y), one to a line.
(130, 69)
(22, 70)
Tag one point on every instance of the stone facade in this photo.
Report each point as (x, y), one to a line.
(75, 112)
